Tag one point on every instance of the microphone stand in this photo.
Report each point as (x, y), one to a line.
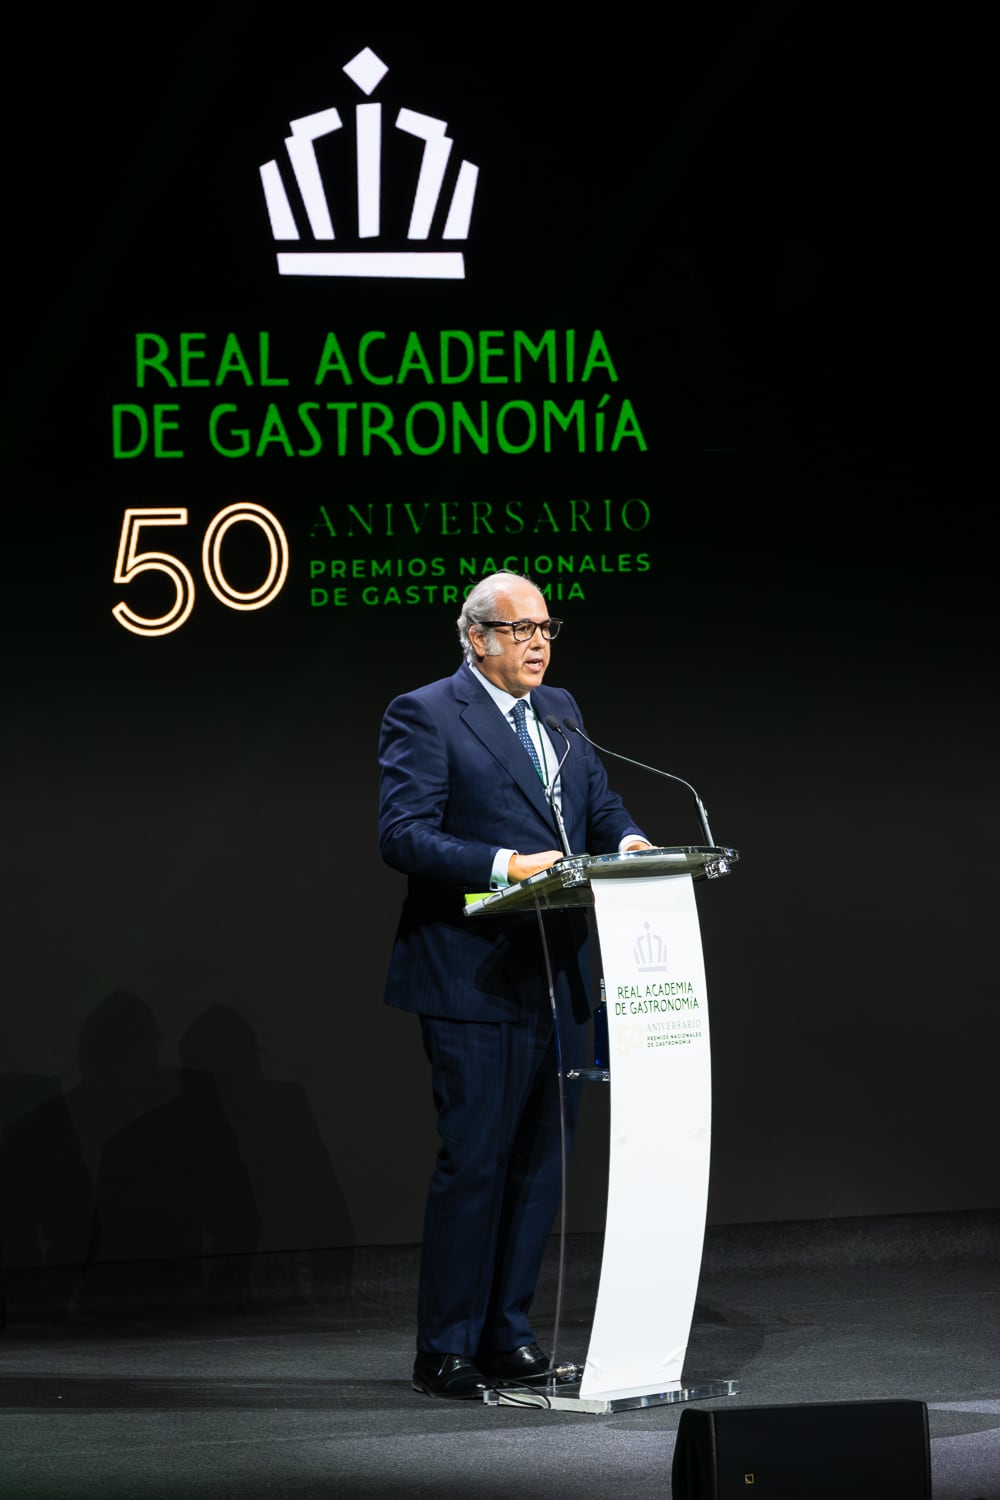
(551, 722)
(699, 805)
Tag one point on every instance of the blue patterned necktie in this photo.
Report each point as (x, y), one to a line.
(518, 714)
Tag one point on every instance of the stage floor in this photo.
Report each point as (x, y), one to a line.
(303, 1390)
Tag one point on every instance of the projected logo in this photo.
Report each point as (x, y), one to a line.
(363, 215)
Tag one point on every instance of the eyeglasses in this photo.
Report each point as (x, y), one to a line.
(523, 630)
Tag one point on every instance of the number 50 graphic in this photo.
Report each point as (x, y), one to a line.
(131, 562)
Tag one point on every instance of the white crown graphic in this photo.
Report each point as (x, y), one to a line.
(650, 952)
(367, 71)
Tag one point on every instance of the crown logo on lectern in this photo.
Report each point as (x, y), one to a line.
(367, 71)
(650, 952)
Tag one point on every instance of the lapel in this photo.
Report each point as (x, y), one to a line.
(482, 717)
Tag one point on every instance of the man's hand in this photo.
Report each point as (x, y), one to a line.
(635, 844)
(523, 865)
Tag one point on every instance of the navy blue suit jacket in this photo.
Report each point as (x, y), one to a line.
(456, 786)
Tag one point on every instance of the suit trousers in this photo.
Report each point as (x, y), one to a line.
(497, 1183)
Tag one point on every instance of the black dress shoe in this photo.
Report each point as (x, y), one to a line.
(526, 1362)
(448, 1375)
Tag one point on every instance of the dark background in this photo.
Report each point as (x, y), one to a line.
(771, 215)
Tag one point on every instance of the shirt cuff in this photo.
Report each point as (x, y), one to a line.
(498, 875)
(629, 838)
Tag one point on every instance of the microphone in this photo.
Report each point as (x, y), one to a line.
(702, 814)
(551, 722)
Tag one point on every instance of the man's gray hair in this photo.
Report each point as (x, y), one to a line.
(481, 604)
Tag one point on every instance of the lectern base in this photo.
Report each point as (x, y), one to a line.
(561, 1396)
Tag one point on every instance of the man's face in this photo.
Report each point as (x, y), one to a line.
(520, 665)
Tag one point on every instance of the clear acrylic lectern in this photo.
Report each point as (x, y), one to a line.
(660, 1079)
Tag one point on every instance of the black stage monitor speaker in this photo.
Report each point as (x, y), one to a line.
(867, 1450)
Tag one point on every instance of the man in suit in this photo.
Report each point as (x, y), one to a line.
(466, 806)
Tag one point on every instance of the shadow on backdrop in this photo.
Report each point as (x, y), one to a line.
(195, 1168)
